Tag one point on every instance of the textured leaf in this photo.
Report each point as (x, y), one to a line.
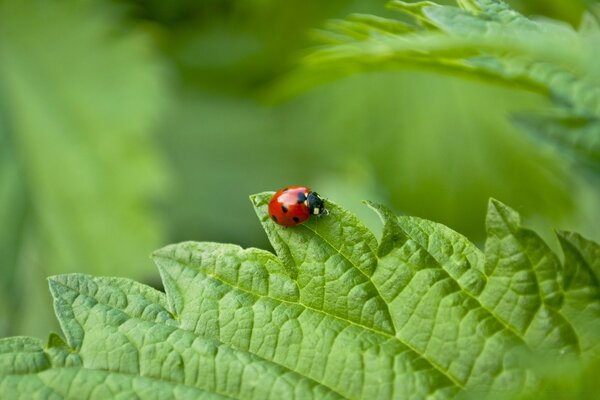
(422, 314)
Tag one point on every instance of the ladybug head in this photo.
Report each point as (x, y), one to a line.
(315, 204)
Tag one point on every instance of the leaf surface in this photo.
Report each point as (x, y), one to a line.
(334, 314)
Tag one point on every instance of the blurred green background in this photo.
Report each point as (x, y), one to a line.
(127, 125)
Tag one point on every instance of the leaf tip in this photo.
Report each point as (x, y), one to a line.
(492, 202)
(162, 252)
(372, 205)
(561, 234)
(501, 217)
(260, 199)
(53, 282)
(379, 208)
(391, 232)
(177, 252)
(564, 239)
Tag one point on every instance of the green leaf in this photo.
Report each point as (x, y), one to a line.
(335, 314)
(485, 40)
(576, 137)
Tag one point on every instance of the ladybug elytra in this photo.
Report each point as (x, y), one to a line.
(294, 205)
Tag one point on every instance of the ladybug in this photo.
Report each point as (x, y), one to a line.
(294, 205)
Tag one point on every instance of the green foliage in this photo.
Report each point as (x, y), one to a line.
(79, 96)
(490, 41)
(577, 137)
(422, 313)
(429, 145)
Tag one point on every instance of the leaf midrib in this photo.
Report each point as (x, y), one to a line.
(434, 364)
(349, 322)
(514, 233)
(356, 267)
(465, 290)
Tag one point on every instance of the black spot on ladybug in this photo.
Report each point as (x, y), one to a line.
(301, 198)
(274, 218)
(296, 219)
(284, 209)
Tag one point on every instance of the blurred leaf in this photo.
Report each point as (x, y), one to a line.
(234, 46)
(80, 97)
(567, 380)
(579, 137)
(12, 214)
(569, 11)
(485, 39)
(423, 313)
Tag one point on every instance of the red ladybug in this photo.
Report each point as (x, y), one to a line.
(294, 205)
